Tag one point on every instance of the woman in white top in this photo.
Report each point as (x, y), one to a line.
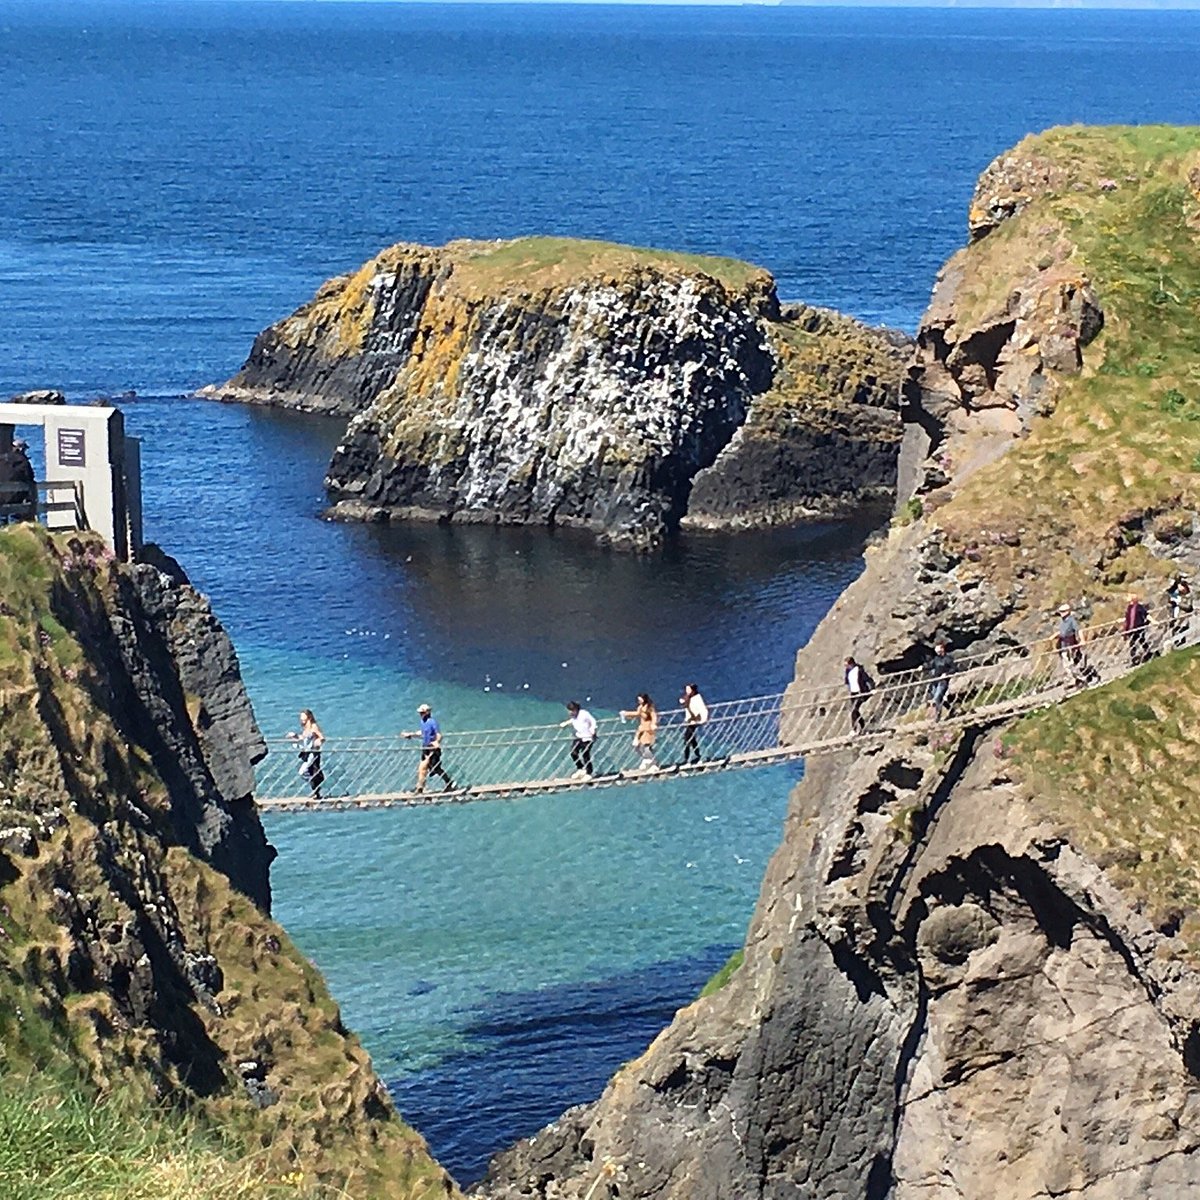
(695, 714)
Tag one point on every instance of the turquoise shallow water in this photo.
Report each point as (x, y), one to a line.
(176, 175)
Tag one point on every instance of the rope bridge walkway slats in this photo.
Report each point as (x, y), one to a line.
(493, 764)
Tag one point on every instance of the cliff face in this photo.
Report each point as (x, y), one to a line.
(972, 971)
(581, 384)
(135, 947)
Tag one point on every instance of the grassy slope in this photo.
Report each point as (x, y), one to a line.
(61, 759)
(522, 267)
(1125, 436)
(1115, 767)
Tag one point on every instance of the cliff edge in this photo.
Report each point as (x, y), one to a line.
(973, 968)
(136, 951)
(582, 384)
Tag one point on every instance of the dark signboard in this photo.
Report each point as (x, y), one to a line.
(72, 450)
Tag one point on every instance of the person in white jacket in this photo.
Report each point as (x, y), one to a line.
(695, 714)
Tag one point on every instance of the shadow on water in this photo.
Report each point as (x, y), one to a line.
(578, 1032)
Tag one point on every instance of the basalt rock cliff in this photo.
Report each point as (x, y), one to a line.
(136, 949)
(973, 968)
(585, 385)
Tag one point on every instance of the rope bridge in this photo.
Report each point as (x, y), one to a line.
(490, 764)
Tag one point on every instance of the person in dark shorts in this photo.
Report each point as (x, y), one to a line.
(430, 734)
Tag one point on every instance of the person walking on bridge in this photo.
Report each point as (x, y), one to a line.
(430, 734)
(646, 733)
(1069, 643)
(1181, 605)
(860, 685)
(939, 669)
(309, 741)
(584, 726)
(695, 714)
(1137, 617)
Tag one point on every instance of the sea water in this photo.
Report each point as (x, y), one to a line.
(175, 176)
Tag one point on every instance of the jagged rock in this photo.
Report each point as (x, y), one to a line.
(135, 946)
(942, 996)
(582, 385)
(38, 396)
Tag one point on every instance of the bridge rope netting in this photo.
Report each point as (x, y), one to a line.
(381, 771)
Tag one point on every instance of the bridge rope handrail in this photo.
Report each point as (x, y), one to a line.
(749, 731)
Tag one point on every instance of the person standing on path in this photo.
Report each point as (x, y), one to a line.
(646, 733)
(309, 741)
(1136, 619)
(430, 734)
(939, 669)
(695, 714)
(584, 726)
(859, 684)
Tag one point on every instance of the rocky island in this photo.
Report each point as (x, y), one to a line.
(974, 970)
(584, 385)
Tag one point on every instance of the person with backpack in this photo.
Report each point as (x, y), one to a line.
(860, 685)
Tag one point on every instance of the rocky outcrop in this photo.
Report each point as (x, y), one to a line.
(135, 945)
(947, 989)
(823, 440)
(582, 385)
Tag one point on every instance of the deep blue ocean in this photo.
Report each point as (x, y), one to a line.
(175, 176)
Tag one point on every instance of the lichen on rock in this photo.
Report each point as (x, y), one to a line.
(585, 385)
(136, 949)
(972, 971)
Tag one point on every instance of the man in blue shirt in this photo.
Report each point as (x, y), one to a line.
(430, 734)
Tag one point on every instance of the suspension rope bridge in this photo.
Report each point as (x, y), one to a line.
(493, 764)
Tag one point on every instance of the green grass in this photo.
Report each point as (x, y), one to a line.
(1116, 768)
(60, 1141)
(1125, 434)
(536, 262)
(724, 975)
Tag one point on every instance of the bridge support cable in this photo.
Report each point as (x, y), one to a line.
(380, 771)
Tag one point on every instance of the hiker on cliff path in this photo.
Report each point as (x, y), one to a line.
(860, 685)
(430, 734)
(695, 714)
(939, 669)
(584, 726)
